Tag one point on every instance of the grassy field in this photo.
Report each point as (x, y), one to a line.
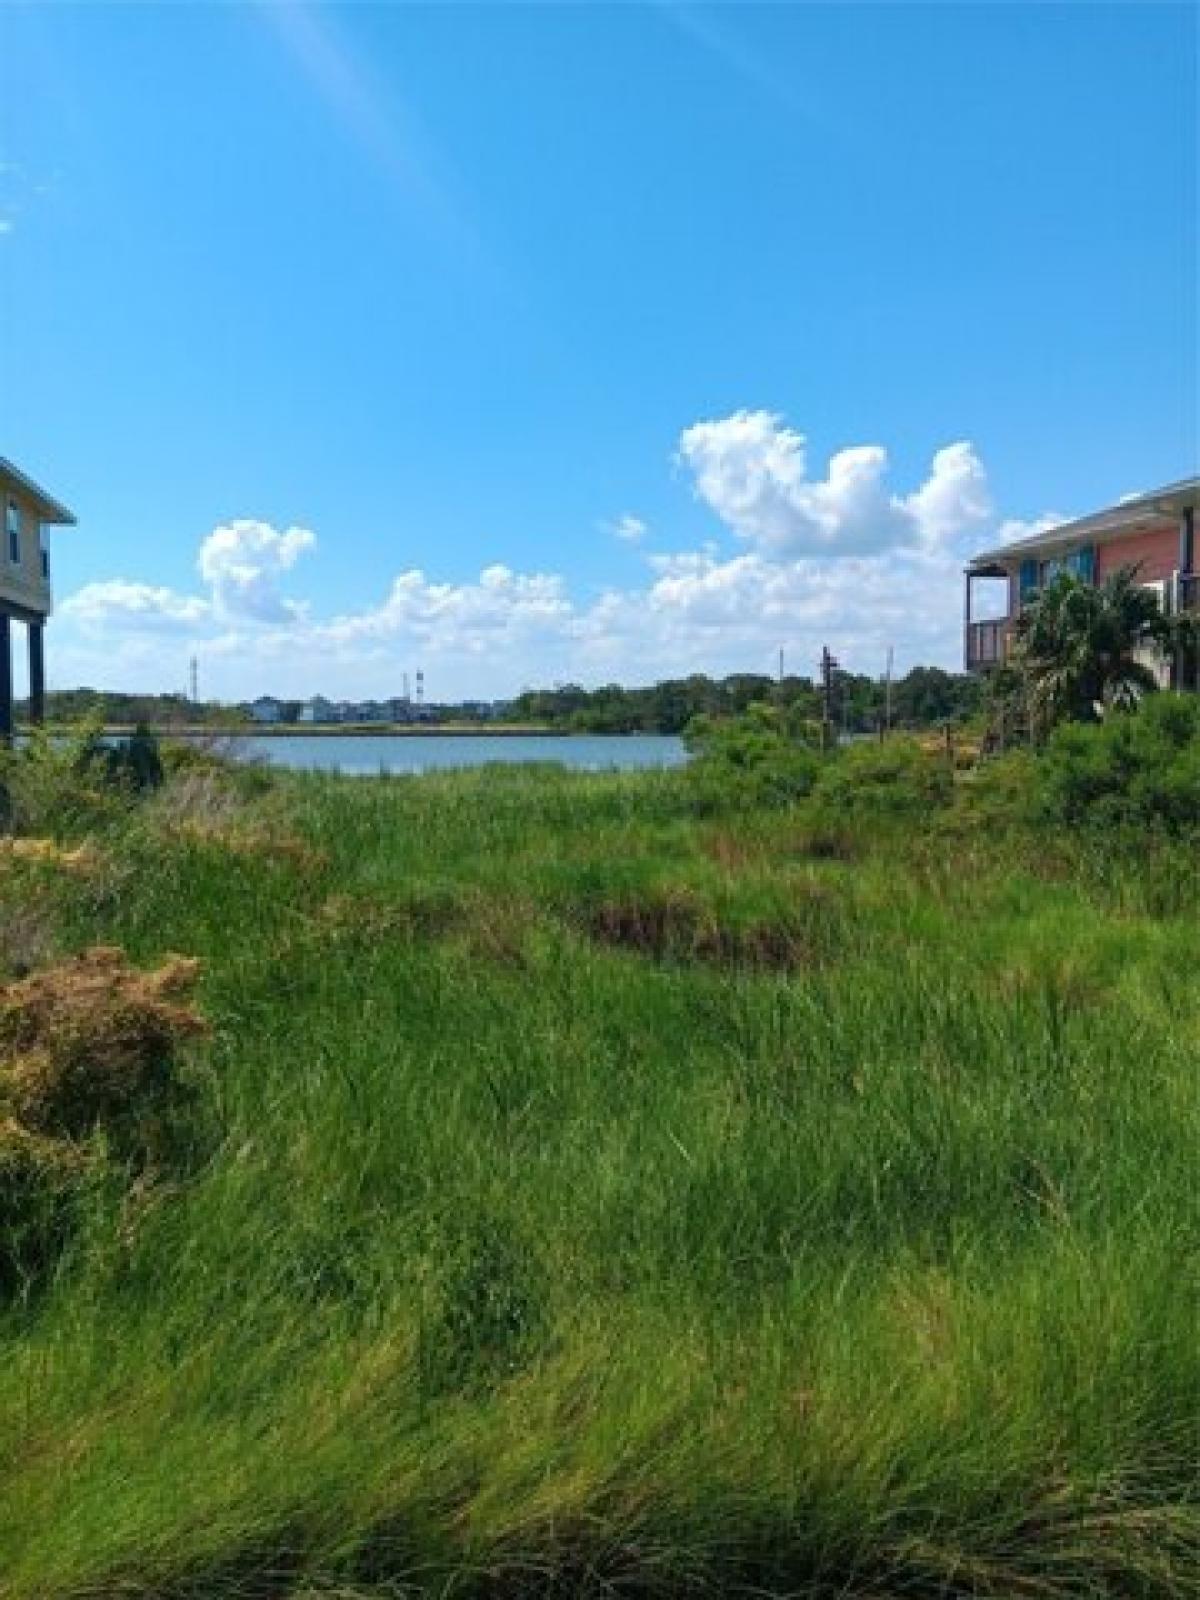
(592, 1197)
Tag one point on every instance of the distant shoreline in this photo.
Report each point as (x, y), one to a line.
(356, 730)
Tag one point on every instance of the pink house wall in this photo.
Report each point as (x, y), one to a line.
(1157, 549)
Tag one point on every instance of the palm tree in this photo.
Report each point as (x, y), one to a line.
(1082, 648)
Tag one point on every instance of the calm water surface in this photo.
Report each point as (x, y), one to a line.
(432, 752)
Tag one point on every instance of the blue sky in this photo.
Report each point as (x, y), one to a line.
(525, 343)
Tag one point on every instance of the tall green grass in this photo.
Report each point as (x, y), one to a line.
(529, 1260)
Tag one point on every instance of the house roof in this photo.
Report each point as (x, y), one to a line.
(49, 509)
(1141, 510)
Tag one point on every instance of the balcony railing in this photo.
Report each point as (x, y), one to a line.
(987, 644)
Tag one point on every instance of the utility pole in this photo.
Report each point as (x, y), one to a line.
(195, 681)
(781, 663)
(887, 693)
(829, 665)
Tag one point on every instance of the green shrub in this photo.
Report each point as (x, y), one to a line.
(1140, 768)
(897, 779)
(762, 758)
(59, 786)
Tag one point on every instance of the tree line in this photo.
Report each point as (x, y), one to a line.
(923, 698)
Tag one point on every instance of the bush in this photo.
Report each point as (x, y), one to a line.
(1140, 768)
(897, 778)
(59, 786)
(133, 764)
(764, 757)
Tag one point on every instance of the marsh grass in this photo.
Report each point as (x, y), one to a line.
(548, 1248)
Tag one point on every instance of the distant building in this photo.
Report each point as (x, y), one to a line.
(318, 709)
(266, 709)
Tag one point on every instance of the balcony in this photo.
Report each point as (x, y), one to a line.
(987, 644)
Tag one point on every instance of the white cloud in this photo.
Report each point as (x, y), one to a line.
(841, 559)
(627, 527)
(243, 561)
(6, 225)
(1014, 528)
(751, 469)
(954, 498)
(495, 612)
(119, 603)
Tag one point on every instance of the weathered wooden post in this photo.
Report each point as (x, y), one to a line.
(37, 674)
(6, 685)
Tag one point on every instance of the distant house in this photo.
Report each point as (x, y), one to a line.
(266, 709)
(25, 584)
(318, 709)
(1155, 532)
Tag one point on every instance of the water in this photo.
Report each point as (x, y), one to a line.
(433, 752)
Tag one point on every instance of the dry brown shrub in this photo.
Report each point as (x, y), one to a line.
(253, 840)
(77, 858)
(27, 1156)
(87, 1045)
(203, 807)
(92, 1039)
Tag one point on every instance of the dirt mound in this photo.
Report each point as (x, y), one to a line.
(91, 1039)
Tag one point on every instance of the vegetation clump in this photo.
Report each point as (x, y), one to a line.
(676, 925)
(1141, 770)
(89, 1077)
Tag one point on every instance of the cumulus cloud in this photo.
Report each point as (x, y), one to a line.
(629, 528)
(491, 613)
(118, 603)
(243, 561)
(752, 470)
(842, 558)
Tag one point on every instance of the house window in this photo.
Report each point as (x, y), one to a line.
(1079, 564)
(1082, 563)
(46, 566)
(12, 527)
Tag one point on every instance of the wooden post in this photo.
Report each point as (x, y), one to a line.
(6, 689)
(37, 675)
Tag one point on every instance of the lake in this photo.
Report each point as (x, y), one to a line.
(433, 752)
